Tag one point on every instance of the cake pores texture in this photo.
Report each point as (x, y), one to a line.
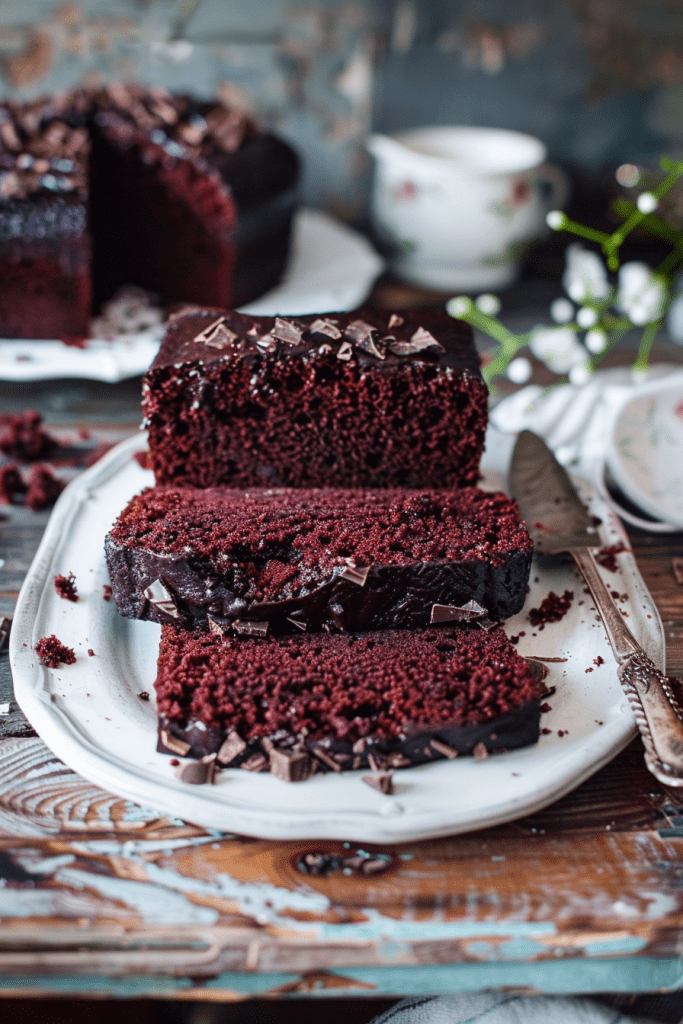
(320, 410)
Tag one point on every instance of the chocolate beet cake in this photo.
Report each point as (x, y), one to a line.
(130, 185)
(386, 699)
(327, 559)
(364, 399)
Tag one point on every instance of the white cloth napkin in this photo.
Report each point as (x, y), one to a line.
(502, 1008)
(575, 421)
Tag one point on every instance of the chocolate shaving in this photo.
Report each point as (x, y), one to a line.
(398, 760)
(444, 748)
(677, 566)
(374, 865)
(326, 759)
(5, 628)
(395, 321)
(480, 751)
(420, 341)
(197, 773)
(383, 783)
(250, 627)
(299, 625)
(233, 745)
(209, 331)
(376, 761)
(359, 746)
(345, 351)
(324, 326)
(290, 767)
(161, 599)
(538, 670)
(356, 574)
(219, 628)
(172, 744)
(542, 657)
(359, 331)
(265, 342)
(221, 338)
(456, 613)
(256, 763)
(288, 331)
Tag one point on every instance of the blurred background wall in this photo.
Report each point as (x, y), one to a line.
(600, 81)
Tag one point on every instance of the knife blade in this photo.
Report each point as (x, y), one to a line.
(559, 522)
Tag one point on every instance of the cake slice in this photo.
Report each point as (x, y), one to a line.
(285, 560)
(364, 399)
(386, 699)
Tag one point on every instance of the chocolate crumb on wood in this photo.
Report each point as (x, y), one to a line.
(383, 782)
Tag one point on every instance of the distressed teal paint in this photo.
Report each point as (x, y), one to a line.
(634, 974)
(628, 944)
(512, 949)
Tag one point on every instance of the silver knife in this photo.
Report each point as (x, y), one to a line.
(558, 521)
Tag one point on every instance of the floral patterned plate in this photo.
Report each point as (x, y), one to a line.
(645, 449)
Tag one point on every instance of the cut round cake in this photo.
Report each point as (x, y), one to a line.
(387, 699)
(129, 185)
(288, 560)
(364, 399)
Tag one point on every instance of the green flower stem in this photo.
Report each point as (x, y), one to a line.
(574, 228)
(649, 334)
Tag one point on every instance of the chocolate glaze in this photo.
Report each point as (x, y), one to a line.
(393, 596)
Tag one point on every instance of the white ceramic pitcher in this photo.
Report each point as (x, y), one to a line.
(457, 206)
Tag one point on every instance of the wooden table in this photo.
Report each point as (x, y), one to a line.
(100, 896)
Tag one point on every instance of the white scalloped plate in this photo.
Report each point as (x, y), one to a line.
(91, 716)
(331, 267)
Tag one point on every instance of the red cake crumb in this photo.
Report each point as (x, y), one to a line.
(143, 695)
(23, 438)
(143, 459)
(74, 341)
(599, 660)
(52, 652)
(107, 592)
(552, 609)
(606, 557)
(11, 483)
(43, 488)
(66, 587)
(91, 653)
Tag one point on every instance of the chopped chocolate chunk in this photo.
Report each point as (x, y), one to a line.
(52, 652)
(345, 351)
(383, 782)
(376, 761)
(233, 745)
(539, 670)
(250, 627)
(461, 613)
(66, 587)
(395, 320)
(327, 327)
(267, 341)
(444, 748)
(356, 574)
(288, 331)
(209, 331)
(359, 746)
(143, 695)
(398, 760)
(374, 865)
(162, 599)
(376, 347)
(196, 773)
(221, 338)
(677, 566)
(172, 744)
(290, 766)
(5, 629)
(480, 751)
(219, 628)
(256, 763)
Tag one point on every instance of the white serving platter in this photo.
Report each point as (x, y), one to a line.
(90, 713)
(331, 267)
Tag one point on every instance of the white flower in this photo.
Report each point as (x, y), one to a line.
(641, 294)
(647, 202)
(562, 311)
(586, 317)
(459, 306)
(585, 276)
(554, 219)
(558, 347)
(519, 370)
(579, 374)
(488, 304)
(596, 341)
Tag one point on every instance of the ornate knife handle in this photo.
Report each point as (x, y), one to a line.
(658, 716)
(656, 710)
